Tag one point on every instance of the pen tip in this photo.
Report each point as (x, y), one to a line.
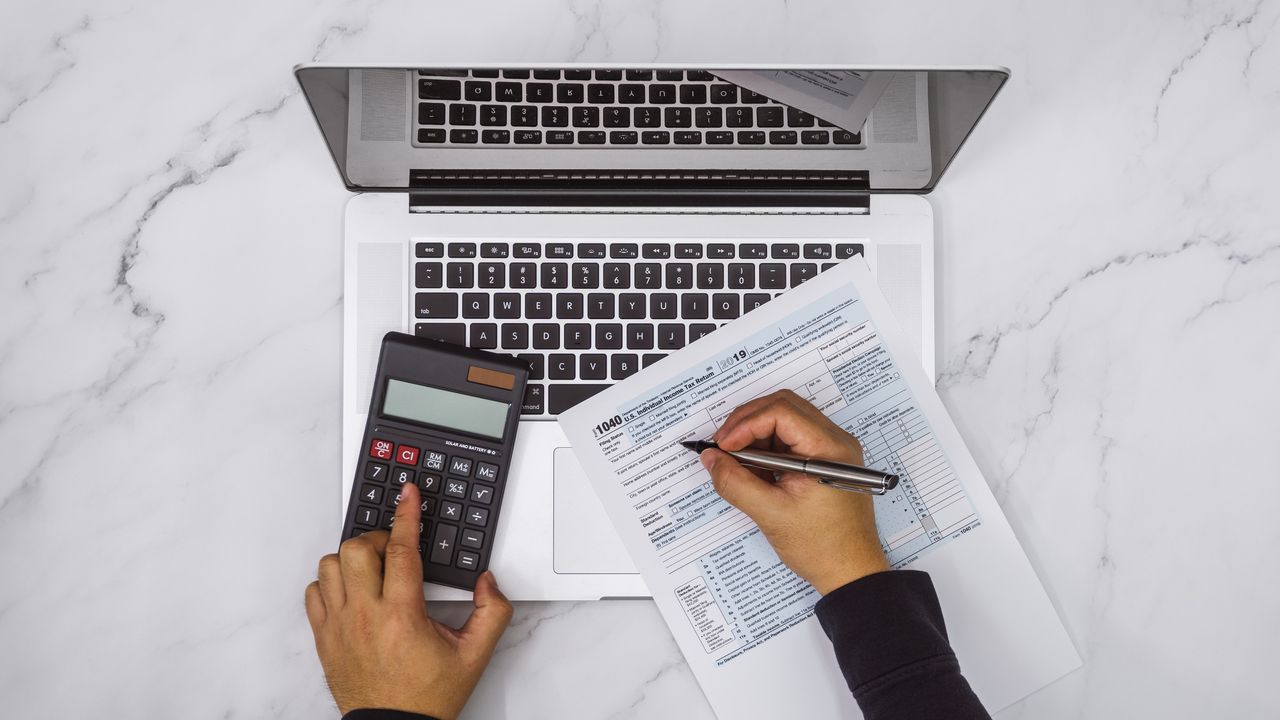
(697, 445)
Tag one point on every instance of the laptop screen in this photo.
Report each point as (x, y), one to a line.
(508, 128)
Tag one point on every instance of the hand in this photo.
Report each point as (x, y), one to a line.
(377, 645)
(827, 536)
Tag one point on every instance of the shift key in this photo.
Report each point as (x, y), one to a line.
(442, 544)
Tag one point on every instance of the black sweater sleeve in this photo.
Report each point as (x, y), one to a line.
(892, 647)
(373, 714)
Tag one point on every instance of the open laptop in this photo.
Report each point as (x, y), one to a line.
(592, 218)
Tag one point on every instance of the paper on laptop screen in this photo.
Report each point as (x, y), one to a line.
(744, 621)
(841, 97)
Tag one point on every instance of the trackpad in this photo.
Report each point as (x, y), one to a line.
(585, 541)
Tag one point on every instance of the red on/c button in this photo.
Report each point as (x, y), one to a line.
(407, 455)
(380, 449)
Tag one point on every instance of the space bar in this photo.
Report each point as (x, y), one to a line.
(563, 397)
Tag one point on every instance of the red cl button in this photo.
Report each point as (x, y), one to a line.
(407, 455)
(381, 449)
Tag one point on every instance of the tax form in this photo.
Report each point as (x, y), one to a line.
(743, 620)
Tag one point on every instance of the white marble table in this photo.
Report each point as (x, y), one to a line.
(1109, 327)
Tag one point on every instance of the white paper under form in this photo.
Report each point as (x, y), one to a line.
(743, 620)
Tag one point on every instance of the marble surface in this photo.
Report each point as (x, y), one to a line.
(170, 295)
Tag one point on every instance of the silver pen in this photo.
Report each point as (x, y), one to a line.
(843, 476)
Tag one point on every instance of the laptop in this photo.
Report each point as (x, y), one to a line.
(591, 219)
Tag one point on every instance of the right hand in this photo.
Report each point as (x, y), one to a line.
(825, 535)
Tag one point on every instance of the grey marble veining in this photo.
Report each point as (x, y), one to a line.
(170, 301)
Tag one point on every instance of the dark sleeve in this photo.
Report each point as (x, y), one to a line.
(373, 714)
(892, 647)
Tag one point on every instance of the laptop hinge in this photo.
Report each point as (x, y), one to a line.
(640, 189)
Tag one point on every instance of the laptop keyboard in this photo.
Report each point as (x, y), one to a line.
(609, 108)
(586, 314)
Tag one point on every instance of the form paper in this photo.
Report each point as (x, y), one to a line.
(842, 97)
(743, 620)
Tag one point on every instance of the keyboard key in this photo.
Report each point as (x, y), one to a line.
(689, 137)
(478, 91)
(817, 251)
(460, 466)
(429, 250)
(523, 275)
(477, 516)
(617, 276)
(844, 137)
(577, 336)
(462, 114)
(751, 301)
(577, 74)
(608, 74)
(697, 331)
(472, 538)
(848, 250)
(570, 93)
(468, 560)
(508, 92)
(688, 250)
(515, 336)
(537, 364)
(609, 336)
(593, 366)
(375, 471)
(453, 333)
(484, 493)
(450, 510)
(433, 460)
(710, 276)
(366, 516)
(785, 251)
(624, 137)
(677, 117)
(563, 397)
(670, 336)
(815, 137)
(484, 336)
(651, 358)
(631, 306)
(475, 305)
(798, 118)
(538, 92)
(460, 275)
(559, 137)
(658, 251)
(538, 306)
(679, 276)
(773, 276)
(738, 117)
(434, 89)
(455, 489)
(506, 306)
(524, 116)
(591, 250)
(555, 116)
(443, 542)
(624, 251)
(401, 476)
(600, 306)
(560, 366)
(750, 96)
(801, 272)
(495, 137)
(694, 306)
(662, 306)
(464, 137)
(656, 137)
(429, 275)
(527, 250)
(484, 73)
(546, 336)
(669, 75)
(431, 483)
(493, 115)
(647, 117)
(568, 306)
(547, 74)
(639, 74)
(782, 137)
(631, 94)
(770, 116)
(462, 250)
(724, 306)
(586, 275)
(617, 117)
(724, 94)
(750, 137)
(723, 137)
(436, 305)
(555, 275)
(753, 251)
(828, 265)
(623, 366)
(600, 93)
(585, 116)
(700, 76)
(494, 250)
(742, 276)
(534, 399)
(639, 336)
(693, 94)
(708, 117)
(662, 94)
(648, 276)
(431, 113)
(371, 494)
(528, 137)
(721, 251)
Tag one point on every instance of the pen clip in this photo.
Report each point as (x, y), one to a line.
(850, 487)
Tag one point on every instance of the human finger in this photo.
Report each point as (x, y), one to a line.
(403, 577)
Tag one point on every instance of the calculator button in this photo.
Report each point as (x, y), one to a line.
(479, 493)
(400, 476)
(468, 560)
(429, 483)
(460, 466)
(375, 471)
(428, 506)
(433, 460)
(451, 510)
(442, 544)
(381, 449)
(472, 538)
(393, 498)
(371, 494)
(366, 516)
(486, 471)
(478, 516)
(455, 488)
(388, 519)
(407, 455)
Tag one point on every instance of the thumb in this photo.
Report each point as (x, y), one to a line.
(742, 488)
(479, 636)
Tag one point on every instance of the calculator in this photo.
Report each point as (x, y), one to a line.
(444, 417)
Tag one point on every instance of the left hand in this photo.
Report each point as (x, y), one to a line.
(377, 645)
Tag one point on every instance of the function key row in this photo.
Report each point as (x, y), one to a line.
(573, 74)
(632, 251)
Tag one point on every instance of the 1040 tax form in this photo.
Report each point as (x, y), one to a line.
(743, 620)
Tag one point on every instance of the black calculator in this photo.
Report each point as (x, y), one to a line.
(444, 417)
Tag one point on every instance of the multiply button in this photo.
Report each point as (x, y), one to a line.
(433, 460)
(442, 544)
(485, 471)
(407, 455)
(381, 449)
(450, 510)
(460, 466)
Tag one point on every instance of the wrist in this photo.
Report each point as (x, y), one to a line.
(850, 570)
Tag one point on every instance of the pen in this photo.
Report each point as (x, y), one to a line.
(843, 476)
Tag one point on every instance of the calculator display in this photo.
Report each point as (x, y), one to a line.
(446, 409)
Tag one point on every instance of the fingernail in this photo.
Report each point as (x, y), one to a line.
(708, 459)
